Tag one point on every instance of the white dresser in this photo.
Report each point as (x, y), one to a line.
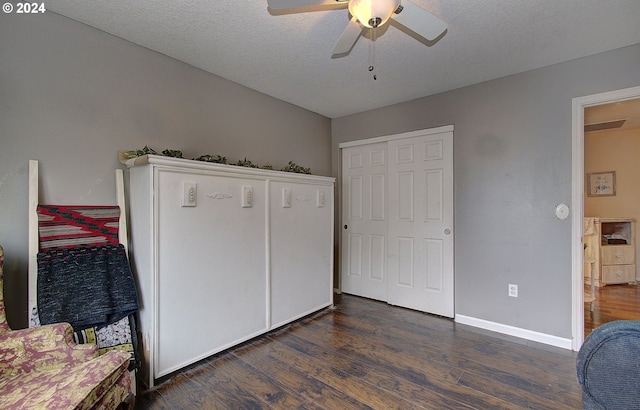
(610, 243)
(223, 254)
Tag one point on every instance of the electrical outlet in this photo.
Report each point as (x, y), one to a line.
(513, 290)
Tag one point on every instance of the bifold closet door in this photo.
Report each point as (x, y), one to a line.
(397, 217)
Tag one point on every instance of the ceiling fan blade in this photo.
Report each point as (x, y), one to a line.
(420, 21)
(349, 37)
(289, 4)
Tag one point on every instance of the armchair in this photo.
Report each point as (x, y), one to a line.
(608, 366)
(42, 367)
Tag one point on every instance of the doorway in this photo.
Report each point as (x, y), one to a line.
(577, 199)
(612, 145)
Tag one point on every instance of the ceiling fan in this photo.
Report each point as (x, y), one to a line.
(372, 14)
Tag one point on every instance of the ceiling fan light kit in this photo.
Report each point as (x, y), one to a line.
(372, 14)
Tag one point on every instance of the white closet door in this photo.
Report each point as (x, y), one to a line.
(364, 219)
(420, 254)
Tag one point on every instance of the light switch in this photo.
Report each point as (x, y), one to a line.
(247, 196)
(319, 199)
(189, 193)
(286, 197)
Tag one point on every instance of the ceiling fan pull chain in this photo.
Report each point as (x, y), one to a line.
(370, 55)
(372, 52)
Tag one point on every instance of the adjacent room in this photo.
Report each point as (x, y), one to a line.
(611, 138)
(421, 206)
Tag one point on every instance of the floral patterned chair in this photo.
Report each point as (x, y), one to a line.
(43, 368)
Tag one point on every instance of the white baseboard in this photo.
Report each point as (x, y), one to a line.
(515, 331)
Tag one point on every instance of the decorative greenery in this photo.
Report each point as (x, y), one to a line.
(212, 158)
(140, 152)
(172, 153)
(291, 166)
(246, 163)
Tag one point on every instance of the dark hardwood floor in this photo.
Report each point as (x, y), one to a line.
(613, 302)
(366, 354)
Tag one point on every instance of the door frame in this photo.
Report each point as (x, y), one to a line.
(577, 200)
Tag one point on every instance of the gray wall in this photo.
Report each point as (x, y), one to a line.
(72, 96)
(512, 166)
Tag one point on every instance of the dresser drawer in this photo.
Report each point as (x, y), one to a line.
(618, 274)
(618, 255)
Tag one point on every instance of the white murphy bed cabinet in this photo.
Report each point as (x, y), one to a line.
(223, 254)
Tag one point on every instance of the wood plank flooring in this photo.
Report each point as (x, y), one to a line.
(614, 302)
(365, 354)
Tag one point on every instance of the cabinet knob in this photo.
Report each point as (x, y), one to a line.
(345, 227)
(618, 254)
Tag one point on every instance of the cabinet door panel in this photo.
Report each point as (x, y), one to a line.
(211, 291)
(301, 250)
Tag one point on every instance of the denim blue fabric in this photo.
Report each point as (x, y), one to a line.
(90, 286)
(608, 367)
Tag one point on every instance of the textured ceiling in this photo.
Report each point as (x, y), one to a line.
(288, 55)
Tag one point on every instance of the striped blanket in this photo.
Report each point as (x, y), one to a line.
(63, 227)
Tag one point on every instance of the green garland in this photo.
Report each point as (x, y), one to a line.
(291, 166)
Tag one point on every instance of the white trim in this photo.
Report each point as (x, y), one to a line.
(267, 252)
(577, 201)
(386, 138)
(332, 250)
(34, 245)
(123, 235)
(515, 331)
(225, 169)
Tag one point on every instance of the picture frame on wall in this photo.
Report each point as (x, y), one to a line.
(601, 183)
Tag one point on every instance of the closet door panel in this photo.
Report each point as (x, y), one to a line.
(211, 292)
(364, 222)
(420, 257)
